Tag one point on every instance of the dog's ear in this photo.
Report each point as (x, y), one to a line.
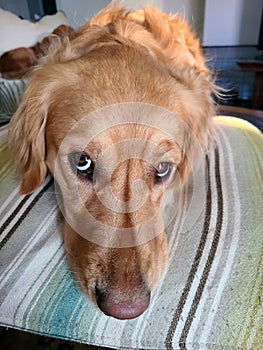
(197, 111)
(27, 138)
(190, 152)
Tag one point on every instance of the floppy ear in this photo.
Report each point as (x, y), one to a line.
(196, 111)
(27, 138)
(191, 152)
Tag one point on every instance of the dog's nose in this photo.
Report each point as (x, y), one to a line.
(122, 309)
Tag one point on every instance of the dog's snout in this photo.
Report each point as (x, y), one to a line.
(122, 309)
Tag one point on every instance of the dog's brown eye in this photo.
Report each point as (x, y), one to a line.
(83, 164)
(163, 170)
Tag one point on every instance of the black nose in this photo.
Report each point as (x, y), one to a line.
(110, 303)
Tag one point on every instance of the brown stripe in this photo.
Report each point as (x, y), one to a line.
(21, 219)
(14, 213)
(195, 264)
(210, 258)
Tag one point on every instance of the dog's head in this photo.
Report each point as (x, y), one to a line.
(117, 116)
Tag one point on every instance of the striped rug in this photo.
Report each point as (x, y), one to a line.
(211, 295)
(10, 96)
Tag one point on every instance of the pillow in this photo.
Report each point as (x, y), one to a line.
(16, 32)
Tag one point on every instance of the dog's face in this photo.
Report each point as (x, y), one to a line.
(118, 126)
(115, 168)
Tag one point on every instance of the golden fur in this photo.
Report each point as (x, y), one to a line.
(118, 57)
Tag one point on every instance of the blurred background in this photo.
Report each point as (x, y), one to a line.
(229, 32)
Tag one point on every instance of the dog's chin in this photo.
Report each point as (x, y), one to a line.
(119, 281)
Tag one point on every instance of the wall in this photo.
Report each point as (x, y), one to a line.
(18, 7)
(29, 9)
(232, 22)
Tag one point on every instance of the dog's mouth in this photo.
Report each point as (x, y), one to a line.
(110, 303)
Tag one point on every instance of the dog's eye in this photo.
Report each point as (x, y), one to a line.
(83, 164)
(163, 170)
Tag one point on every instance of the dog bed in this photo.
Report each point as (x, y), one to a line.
(211, 295)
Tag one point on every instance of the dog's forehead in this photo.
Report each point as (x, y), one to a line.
(140, 127)
(131, 141)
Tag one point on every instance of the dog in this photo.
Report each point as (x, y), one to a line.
(118, 116)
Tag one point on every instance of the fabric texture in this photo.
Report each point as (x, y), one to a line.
(10, 96)
(211, 295)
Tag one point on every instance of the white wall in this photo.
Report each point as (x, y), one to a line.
(232, 22)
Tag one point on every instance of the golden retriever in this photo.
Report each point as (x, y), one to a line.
(118, 116)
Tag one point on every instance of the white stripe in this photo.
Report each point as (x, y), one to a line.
(27, 281)
(256, 149)
(255, 330)
(37, 285)
(206, 293)
(9, 199)
(109, 327)
(3, 146)
(234, 244)
(47, 221)
(81, 318)
(205, 253)
(21, 211)
(5, 168)
(11, 211)
(4, 130)
(253, 297)
(35, 275)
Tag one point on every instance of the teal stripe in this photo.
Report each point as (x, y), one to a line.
(62, 306)
(73, 321)
(66, 300)
(27, 312)
(36, 316)
(87, 316)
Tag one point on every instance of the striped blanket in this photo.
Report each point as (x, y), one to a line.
(211, 295)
